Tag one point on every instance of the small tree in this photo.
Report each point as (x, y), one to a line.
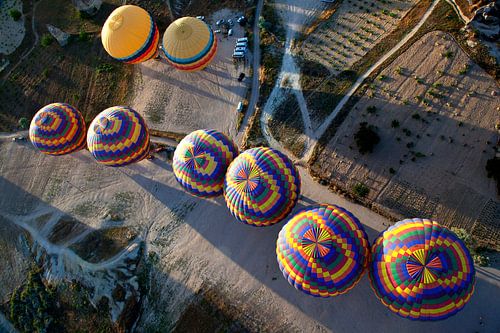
(15, 14)
(360, 190)
(366, 138)
(23, 123)
(46, 40)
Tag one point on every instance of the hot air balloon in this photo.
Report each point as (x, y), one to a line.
(58, 129)
(189, 44)
(118, 136)
(323, 250)
(130, 35)
(421, 270)
(201, 160)
(261, 187)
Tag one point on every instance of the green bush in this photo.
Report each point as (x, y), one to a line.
(104, 68)
(83, 36)
(394, 123)
(366, 138)
(46, 40)
(23, 123)
(360, 190)
(15, 14)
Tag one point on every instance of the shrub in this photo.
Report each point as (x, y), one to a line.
(366, 138)
(15, 14)
(83, 36)
(493, 170)
(447, 54)
(394, 123)
(46, 40)
(23, 123)
(415, 116)
(104, 68)
(371, 109)
(360, 190)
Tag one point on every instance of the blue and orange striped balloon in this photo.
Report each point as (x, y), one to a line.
(421, 270)
(323, 250)
(58, 129)
(118, 136)
(201, 160)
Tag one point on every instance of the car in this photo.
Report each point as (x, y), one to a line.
(240, 40)
(238, 55)
(240, 49)
(241, 44)
(242, 20)
(201, 18)
(221, 21)
(230, 32)
(230, 21)
(241, 77)
(239, 108)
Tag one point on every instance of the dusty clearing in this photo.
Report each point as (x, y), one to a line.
(11, 32)
(198, 252)
(182, 102)
(445, 112)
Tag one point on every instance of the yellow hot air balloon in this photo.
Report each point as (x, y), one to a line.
(189, 44)
(130, 35)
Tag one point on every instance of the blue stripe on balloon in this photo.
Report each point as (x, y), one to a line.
(197, 57)
(145, 46)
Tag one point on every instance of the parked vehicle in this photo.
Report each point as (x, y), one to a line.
(238, 55)
(219, 22)
(244, 39)
(242, 20)
(241, 44)
(201, 18)
(230, 32)
(217, 31)
(230, 21)
(240, 107)
(240, 49)
(241, 77)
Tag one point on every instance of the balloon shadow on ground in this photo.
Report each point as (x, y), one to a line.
(254, 250)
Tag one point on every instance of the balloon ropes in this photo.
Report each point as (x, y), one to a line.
(130, 35)
(323, 250)
(421, 270)
(261, 187)
(201, 160)
(58, 129)
(118, 136)
(189, 44)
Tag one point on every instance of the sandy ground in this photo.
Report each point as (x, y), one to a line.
(455, 130)
(11, 32)
(199, 243)
(183, 102)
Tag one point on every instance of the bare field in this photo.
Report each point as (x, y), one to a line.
(176, 101)
(435, 112)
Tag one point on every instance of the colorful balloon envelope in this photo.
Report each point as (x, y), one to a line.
(189, 44)
(421, 270)
(58, 129)
(323, 250)
(118, 136)
(261, 187)
(201, 160)
(130, 35)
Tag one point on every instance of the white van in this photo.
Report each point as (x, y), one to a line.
(240, 107)
(244, 39)
(241, 44)
(238, 55)
(240, 49)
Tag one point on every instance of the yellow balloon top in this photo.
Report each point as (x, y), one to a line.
(187, 40)
(126, 31)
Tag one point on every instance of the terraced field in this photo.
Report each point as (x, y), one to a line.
(352, 31)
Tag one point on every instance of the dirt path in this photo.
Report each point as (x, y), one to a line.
(295, 17)
(254, 97)
(362, 78)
